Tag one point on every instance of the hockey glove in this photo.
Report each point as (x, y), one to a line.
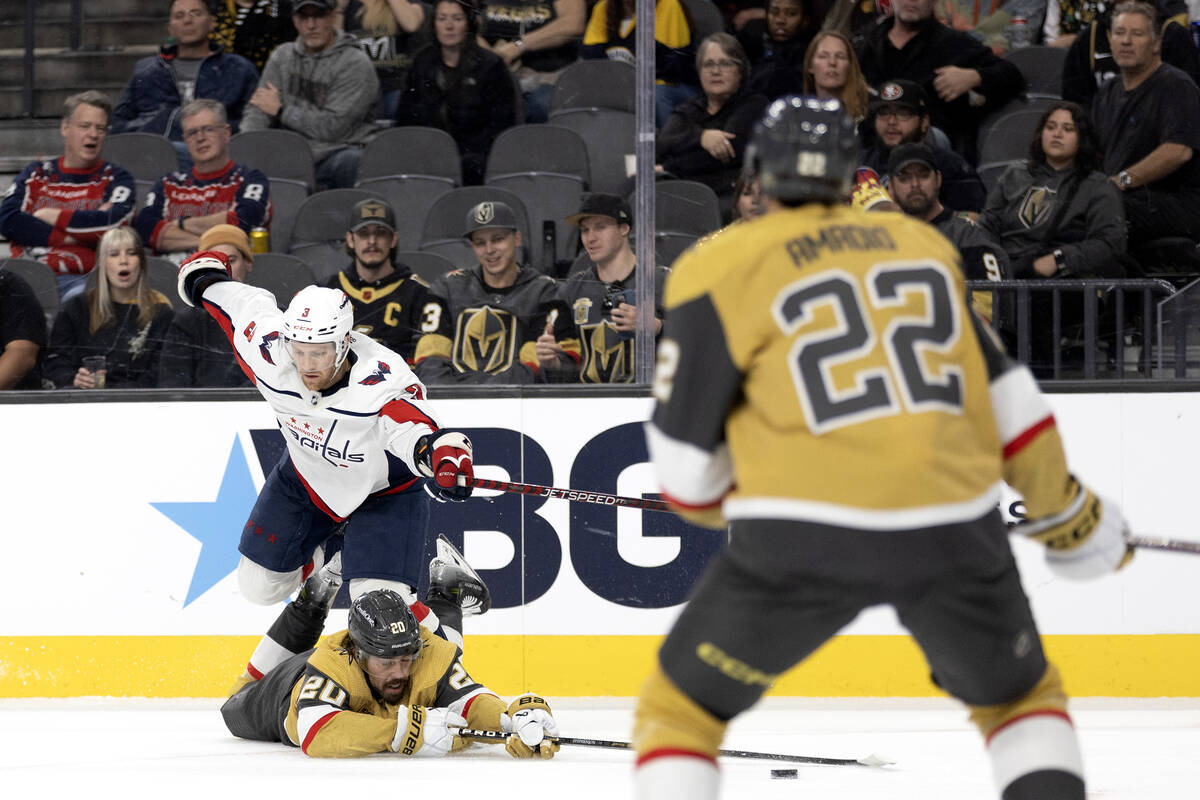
(1087, 540)
(532, 729)
(198, 271)
(422, 731)
(446, 458)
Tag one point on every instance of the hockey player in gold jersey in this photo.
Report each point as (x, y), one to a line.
(386, 684)
(824, 389)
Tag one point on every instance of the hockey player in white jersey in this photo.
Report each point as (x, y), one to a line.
(360, 439)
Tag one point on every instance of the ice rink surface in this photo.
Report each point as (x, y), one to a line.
(1133, 750)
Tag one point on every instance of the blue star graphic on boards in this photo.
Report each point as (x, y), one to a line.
(216, 524)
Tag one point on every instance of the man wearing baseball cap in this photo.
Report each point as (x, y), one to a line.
(900, 115)
(914, 182)
(387, 297)
(480, 325)
(196, 351)
(601, 298)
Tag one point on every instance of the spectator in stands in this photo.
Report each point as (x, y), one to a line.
(483, 322)
(775, 47)
(1089, 63)
(1002, 25)
(22, 333)
(191, 67)
(197, 351)
(121, 318)
(1058, 214)
(389, 33)
(962, 78)
(182, 205)
(537, 40)
(900, 115)
(323, 87)
(602, 298)
(56, 210)
(1065, 20)
(389, 300)
(749, 201)
(705, 138)
(1148, 123)
(611, 34)
(913, 182)
(831, 72)
(460, 87)
(253, 28)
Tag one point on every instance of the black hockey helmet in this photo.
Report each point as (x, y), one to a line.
(804, 150)
(382, 625)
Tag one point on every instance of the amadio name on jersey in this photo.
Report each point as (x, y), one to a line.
(315, 437)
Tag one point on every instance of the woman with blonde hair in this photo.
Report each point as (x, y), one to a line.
(120, 318)
(390, 32)
(831, 72)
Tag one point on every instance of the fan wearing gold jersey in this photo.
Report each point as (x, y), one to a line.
(824, 390)
(385, 685)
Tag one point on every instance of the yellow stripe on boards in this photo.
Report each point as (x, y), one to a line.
(579, 666)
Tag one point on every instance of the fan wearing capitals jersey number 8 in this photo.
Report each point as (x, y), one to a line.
(360, 437)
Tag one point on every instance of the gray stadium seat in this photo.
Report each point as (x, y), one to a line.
(609, 136)
(285, 157)
(319, 231)
(41, 279)
(283, 275)
(1016, 123)
(990, 173)
(706, 19)
(146, 156)
(447, 218)
(594, 83)
(1042, 67)
(428, 265)
(547, 167)
(411, 167)
(286, 198)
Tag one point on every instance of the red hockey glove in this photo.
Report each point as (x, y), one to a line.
(200, 270)
(446, 458)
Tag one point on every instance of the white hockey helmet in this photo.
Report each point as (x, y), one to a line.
(317, 314)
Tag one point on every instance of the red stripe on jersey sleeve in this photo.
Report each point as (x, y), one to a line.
(312, 732)
(226, 324)
(401, 410)
(1022, 440)
(467, 707)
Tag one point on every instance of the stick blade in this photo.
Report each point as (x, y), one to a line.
(876, 760)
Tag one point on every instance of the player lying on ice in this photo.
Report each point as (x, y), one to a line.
(360, 437)
(385, 685)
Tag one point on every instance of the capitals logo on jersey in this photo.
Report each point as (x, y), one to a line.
(382, 370)
(485, 340)
(264, 346)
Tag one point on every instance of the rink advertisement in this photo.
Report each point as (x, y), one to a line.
(123, 522)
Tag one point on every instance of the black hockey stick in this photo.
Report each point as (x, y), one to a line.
(578, 495)
(872, 760)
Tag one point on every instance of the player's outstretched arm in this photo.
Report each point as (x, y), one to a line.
(200, 271)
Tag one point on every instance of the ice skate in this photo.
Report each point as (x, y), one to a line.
(452, 580)
(318, 591)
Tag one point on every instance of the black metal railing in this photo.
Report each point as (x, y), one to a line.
(1088, 328)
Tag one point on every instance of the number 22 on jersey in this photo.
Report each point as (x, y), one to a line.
(907, 306)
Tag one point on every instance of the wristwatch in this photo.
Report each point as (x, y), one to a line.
(1124, 179)
(520, 43)
(1060, 261)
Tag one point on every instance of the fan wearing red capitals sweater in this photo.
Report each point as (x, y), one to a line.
(182, 205)
(360, 437)
(57, 210)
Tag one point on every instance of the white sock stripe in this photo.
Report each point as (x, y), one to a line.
(673, 777)
(1037, 742)
(268, 655)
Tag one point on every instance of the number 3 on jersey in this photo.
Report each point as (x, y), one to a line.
(907, 382)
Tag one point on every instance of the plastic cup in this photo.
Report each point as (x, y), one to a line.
(96, 365)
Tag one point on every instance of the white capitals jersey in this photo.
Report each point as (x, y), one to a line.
(349, 441)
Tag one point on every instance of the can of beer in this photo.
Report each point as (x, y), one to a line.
(260, 240)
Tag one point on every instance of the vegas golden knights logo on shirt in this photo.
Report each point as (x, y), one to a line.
(485, 340)
(607, 355)
(1036, 206)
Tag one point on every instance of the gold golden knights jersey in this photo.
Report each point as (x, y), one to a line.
(476, 333)
(333, 711)
(821, 364)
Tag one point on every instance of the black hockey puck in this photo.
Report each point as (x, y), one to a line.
(785, 773)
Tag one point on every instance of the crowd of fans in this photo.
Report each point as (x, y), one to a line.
(1111, 167)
